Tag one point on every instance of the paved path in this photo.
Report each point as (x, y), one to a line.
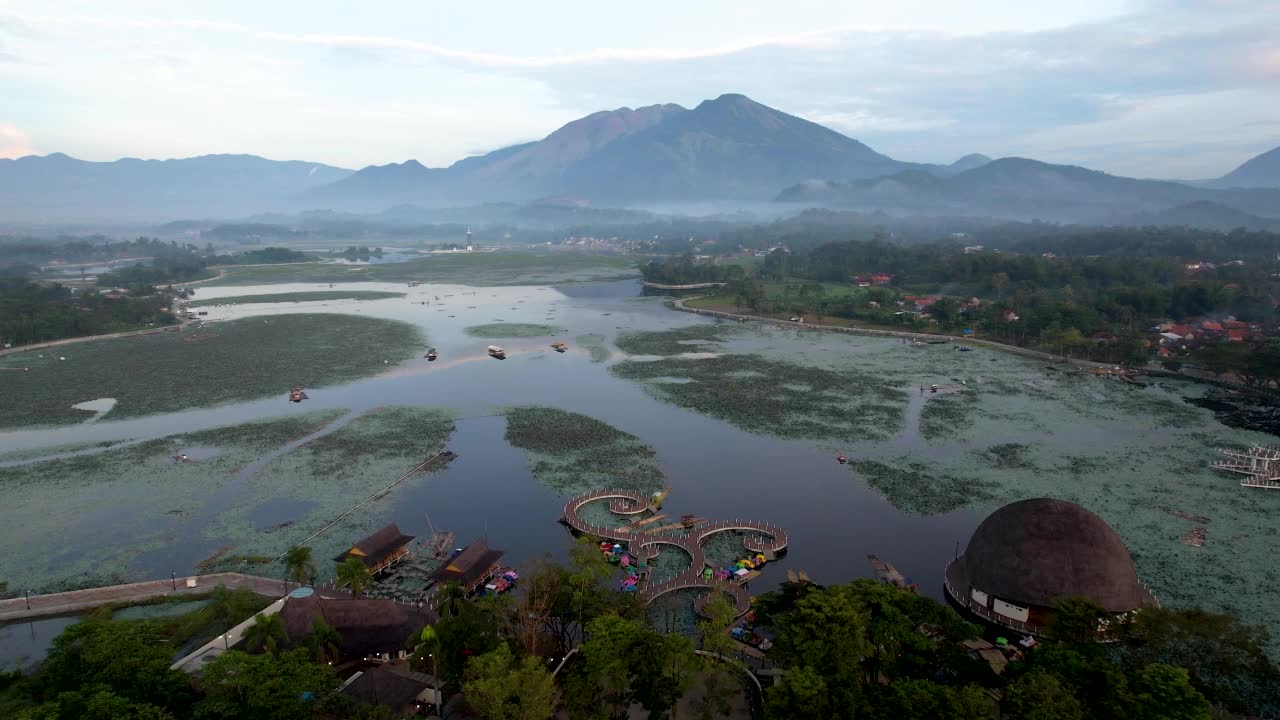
(75, 601)
(197, 660)
(645, 545)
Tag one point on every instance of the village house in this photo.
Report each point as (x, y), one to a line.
(869, 279)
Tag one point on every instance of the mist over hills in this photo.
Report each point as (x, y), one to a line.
(727, 153)
(1024, 189)
(56, 188)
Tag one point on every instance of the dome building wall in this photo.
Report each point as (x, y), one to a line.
(1031, 553)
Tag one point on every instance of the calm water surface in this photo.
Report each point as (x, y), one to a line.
(715, 470)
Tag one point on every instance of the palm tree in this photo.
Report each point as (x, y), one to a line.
(353, 573)
(428, 648)
(325, 642)
(298, 565)
(266, 633)
(450, 595)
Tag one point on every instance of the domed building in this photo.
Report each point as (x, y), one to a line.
(1030, 553)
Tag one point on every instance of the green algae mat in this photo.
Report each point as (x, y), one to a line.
(574, 454)
(219, 363)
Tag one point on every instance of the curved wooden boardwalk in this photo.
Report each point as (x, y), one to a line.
(645, 545)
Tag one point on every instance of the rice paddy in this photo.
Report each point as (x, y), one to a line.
(297, 297)
(573, 454)
(499, 331)
(199, 367)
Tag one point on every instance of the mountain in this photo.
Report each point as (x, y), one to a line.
(1200, 214)
(729, 148)
(1260, 171)
(1018, 188)
(968, 162)
(55, 188)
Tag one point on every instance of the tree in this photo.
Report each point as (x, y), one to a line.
(1076, 621)
(266, 633)
(264, 687)
(1040, 696)
(324, 641)
(499, 687)
(1165, 693)
(1172, 364)
(130, 660)
(662, 669)
(802, 693)
(298, 564)
(827, 631)
(353, 573)
(718, 683)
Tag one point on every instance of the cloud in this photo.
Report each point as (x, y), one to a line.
(14, 143)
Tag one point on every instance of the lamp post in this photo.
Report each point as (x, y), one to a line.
(173, 576)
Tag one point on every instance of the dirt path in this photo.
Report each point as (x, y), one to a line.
(87, 338)
(221, 274)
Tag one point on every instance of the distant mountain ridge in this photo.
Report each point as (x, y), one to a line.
(56, 187)
(1019, 188)
(729, 148)
(1259, 171)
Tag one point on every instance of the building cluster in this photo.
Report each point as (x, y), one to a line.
(869, 279)
(1173, 338)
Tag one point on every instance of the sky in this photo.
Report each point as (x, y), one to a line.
(1146, 88)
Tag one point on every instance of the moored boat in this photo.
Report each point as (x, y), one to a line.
(497, 352)
(431, 354)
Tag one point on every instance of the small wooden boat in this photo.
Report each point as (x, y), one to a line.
(842, 459)
(297, 395)
(497, 352)
(559, 347)
(431, 354)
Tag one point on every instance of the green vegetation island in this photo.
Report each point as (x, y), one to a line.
(201, 366)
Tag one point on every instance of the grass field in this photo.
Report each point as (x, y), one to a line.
(504, 267)
(297, 297)
(573, 453)
(219, 363)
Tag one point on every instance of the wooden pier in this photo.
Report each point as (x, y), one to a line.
(1260, 466)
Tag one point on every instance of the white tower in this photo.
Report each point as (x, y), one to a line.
(468, 238)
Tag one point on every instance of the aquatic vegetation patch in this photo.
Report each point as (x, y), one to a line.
(15, 456)
(1005, 456)
(309, 296)
(918, 488)
(93, 515)
(766, 396)
(944, 416)
(573, 453)
(595, 344)
(219, 363)
(671, 342)
(324, 478)
(504, 267)
(499, 331)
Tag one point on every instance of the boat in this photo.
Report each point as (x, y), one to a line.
(297, 395)
(431, 354)
(497, 352)
(842, 459)
(559, 347)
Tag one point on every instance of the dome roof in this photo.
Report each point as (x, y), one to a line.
(1032, 552)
